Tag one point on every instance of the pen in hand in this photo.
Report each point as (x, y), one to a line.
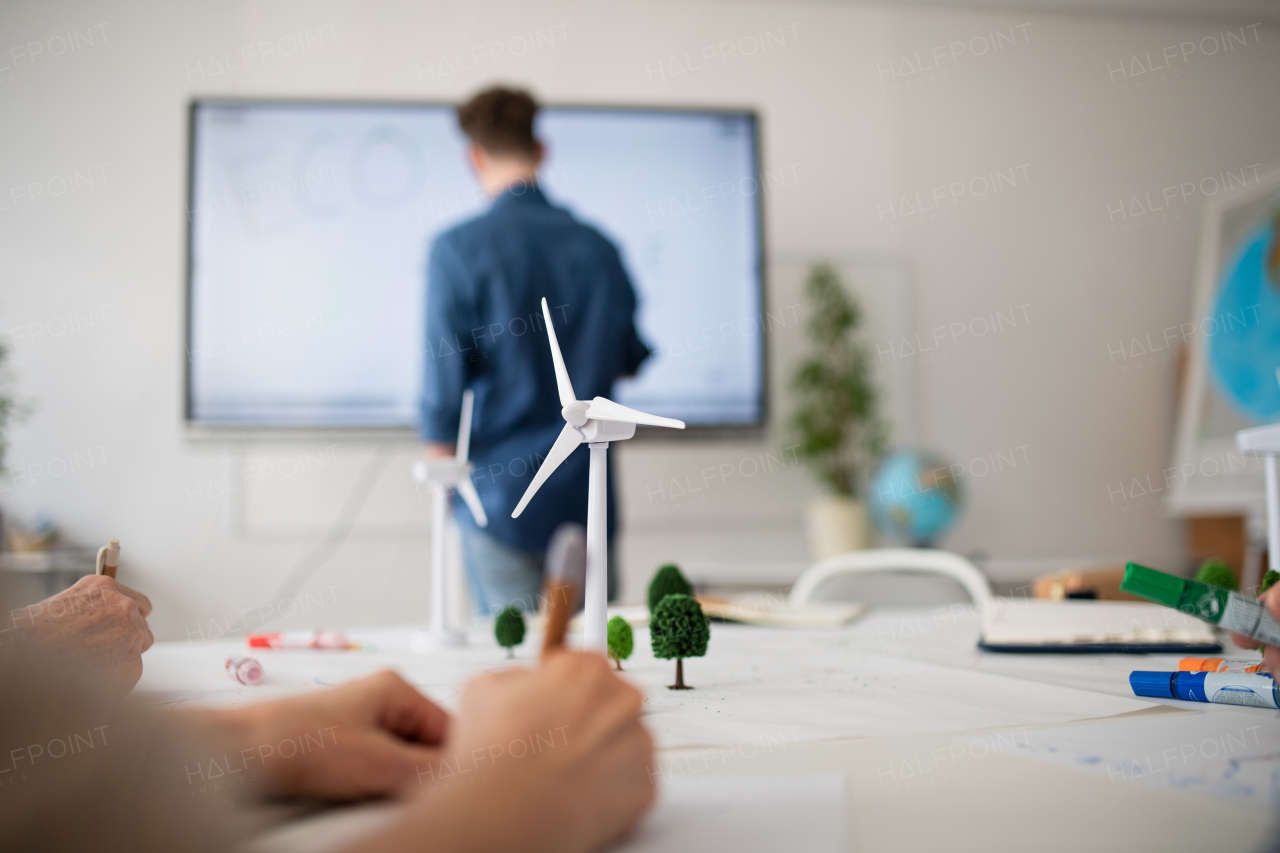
(108, 559)
(565, 569)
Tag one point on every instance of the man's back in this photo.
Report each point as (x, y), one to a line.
(485, 282)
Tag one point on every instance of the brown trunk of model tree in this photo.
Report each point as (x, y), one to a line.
(618, 664)
(680, 685)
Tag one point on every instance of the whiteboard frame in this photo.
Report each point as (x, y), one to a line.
(203, 430)
(1240, 493)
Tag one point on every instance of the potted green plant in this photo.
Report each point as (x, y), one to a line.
(840, 433)
(10, 411)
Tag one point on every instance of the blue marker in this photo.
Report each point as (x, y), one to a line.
(1224, 688)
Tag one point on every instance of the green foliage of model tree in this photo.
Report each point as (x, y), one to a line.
(1218, 573)
(508, 628)
(621, 640)
(840, 434)
(679, 629)
(668, 581)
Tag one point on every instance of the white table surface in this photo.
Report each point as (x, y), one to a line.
(990, 802)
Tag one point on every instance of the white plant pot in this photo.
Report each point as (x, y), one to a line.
(837, 524)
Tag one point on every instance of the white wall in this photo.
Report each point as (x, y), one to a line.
(1046, 111)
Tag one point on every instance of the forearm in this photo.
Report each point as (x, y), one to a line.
(220, 726)
(237, 734)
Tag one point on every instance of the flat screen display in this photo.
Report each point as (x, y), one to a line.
(310, 225)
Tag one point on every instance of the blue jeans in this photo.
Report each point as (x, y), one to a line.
(502, 576)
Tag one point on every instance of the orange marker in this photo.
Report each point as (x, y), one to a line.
(1220, 665)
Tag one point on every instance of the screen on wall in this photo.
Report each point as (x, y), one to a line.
(309, 230)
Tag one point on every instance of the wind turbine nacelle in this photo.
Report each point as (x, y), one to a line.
(596, 431)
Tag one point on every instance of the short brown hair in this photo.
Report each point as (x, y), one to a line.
(500, 121)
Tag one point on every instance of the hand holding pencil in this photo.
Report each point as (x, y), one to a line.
(98, 626)
(562, 744)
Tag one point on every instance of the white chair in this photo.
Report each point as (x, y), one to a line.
(927, 561)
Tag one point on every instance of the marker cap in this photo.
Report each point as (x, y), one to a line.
(1152, 585)
(1158, 684)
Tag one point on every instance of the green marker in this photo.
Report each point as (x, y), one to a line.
(1213, 604)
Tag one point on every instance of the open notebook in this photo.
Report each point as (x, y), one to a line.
(1030, 625)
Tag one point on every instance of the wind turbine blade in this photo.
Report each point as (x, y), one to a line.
(562, 375)
(471, 498)
(607, 410)
(464, 426)
(566, 443)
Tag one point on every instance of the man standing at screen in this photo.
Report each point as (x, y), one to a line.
(485, 282)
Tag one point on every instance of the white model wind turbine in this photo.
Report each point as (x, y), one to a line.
(597, 422)
(446, 474)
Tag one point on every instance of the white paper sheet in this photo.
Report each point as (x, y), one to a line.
(1226, 754)
(746, 814)
(756, 687)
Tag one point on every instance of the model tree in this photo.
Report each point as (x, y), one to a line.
(668, 581)
(508, 628)
(1268, 580)
(679, 629)
(1217, 573)
(621, 641)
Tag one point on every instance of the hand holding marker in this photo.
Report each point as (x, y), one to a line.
(1213, 604)
(1217, 606)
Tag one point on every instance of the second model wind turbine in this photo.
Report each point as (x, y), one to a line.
(445, 474)
(597, 422)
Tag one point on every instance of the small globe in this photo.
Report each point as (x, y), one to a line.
(914, 497)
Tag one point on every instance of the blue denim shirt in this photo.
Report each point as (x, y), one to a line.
(485, 282)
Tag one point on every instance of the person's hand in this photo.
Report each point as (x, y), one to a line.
(591, 785)
(366, 738)
(552, 759)
(99, 626)
(439, 450)
(1270, 654)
